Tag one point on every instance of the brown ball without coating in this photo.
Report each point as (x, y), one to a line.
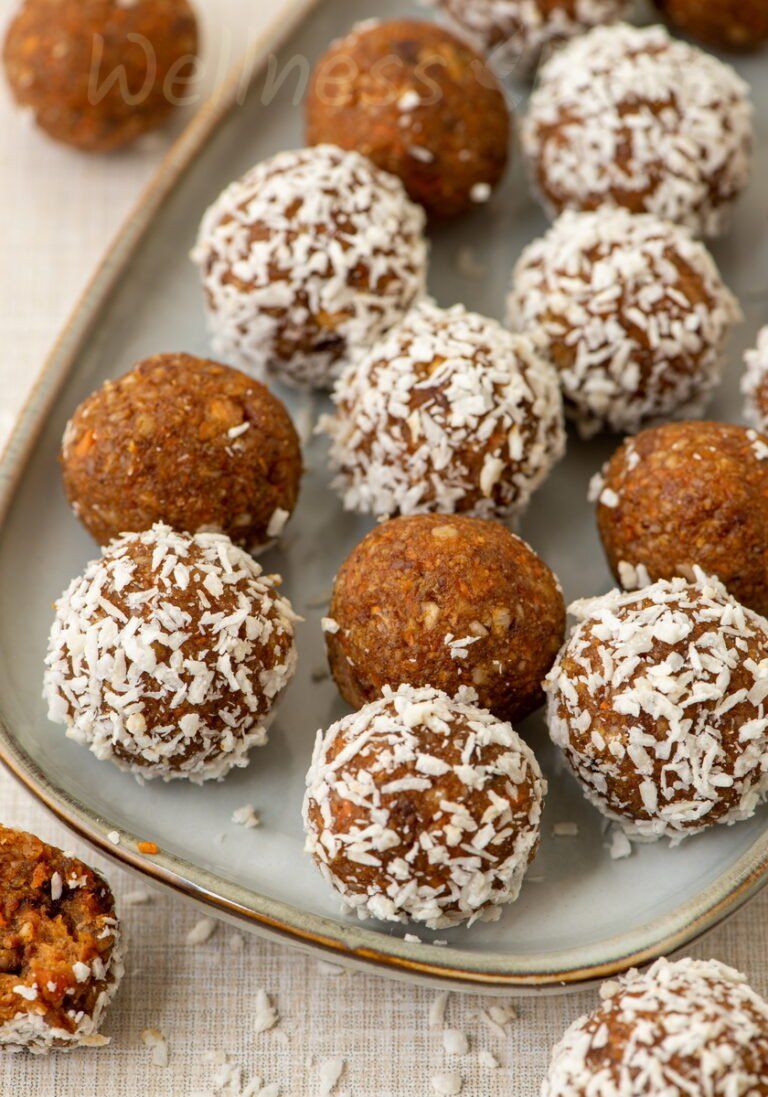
(725, 24)
(61, 57)
(420, 103)
(42, 937)
(416, 581)
(691, 493)
(165, 443)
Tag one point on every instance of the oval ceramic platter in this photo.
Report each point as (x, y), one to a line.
(581, 914)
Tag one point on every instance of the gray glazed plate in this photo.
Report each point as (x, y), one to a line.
(581, 915)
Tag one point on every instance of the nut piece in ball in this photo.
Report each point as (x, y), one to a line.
(515, 33)
(630, 310)
(688, 494)
(420, 103)
(628, 116)
(97, 75)
(726, 24)
(308, 260)
(167, 656)
(60, 956)
(423, 808)
(682, 1027)
(185, 442)
(450, 413)
(446, 601)
(755, 383)
(658, 703)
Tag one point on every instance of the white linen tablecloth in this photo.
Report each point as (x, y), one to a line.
(58, 210)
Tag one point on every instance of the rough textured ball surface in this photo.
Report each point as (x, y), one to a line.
(755, 383)
(631, 311)
(307, 261)
(658, 702)
(445, 601)
(423, 808)
(420, 103)
(168, 655)
(450, 413)
(688, 494)
(681, 1028)
(515, 33)
(725, 24)
(186, 442)
(61, 58)
(627, 116)
(60, 956)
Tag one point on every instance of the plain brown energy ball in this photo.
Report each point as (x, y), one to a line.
(682, 1027)
(658, 702)
(445, 601)
(725, 24)
(421, 807)
(420, 103)
(631, 117)
(187, 442)
(97, 74)
(167, 656)
(687, 494)
(60, 955)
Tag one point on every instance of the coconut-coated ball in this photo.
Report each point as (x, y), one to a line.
(168, 655)
(307, 261)
(423, 808)
(680, 1028)
(658, 702)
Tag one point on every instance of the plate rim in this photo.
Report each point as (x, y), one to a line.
(352, 943)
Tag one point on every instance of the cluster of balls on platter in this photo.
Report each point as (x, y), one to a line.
(168, 655)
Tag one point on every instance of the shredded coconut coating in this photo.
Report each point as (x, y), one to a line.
(680, 1029)
(632, 312)
(168, 654)
(517, 32)
(423, 808)
(628, 116)
(450, 413)
(754, 383)
(60, 947)
(658, 702)
(306, 261)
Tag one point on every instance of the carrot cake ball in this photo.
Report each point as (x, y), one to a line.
(60, 956)
(628, 116)
(421, 103)
(515, 33)
(308, 260)
(680, 1028)
(168, 654)
(423, 808)
(450, 413)
(658, 702)
(630, 310)
(97, 74)
(755, 382)
(187, 442)
(446, 601)
(725, 24)
(685, 494)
